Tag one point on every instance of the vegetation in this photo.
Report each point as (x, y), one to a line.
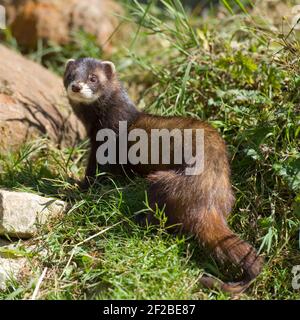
(243, 78)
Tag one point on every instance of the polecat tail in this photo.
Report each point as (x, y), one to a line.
(228, 247)
(209, 226)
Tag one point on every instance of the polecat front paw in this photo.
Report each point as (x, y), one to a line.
(84, 184)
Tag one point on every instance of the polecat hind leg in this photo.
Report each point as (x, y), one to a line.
(145, 219)
(201, 213)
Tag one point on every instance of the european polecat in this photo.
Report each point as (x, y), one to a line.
(199, 203)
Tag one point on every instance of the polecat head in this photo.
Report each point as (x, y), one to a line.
(87, 80)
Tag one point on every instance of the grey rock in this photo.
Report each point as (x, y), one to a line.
(22, 212)
(10, 265)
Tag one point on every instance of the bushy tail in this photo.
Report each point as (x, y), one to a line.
(228, 247)
(211, 229)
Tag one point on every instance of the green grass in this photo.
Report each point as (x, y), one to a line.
(240, 77)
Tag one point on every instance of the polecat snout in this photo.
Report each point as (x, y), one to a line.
(199, 203)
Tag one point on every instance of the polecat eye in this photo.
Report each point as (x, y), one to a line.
(93, 78)
(69, 77)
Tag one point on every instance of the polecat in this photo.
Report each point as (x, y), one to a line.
(199, 203)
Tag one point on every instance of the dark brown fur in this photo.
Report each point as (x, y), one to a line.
(199, 203)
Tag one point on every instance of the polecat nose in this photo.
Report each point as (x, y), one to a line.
(76, 87)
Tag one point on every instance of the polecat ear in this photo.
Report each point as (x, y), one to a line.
(109, 69)
(69, 62)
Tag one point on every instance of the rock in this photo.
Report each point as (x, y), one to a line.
(21, 212)
(10, 269)
(33, 103)
(55, 20)
(11, 265)
(17, 261)
(278, 15)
